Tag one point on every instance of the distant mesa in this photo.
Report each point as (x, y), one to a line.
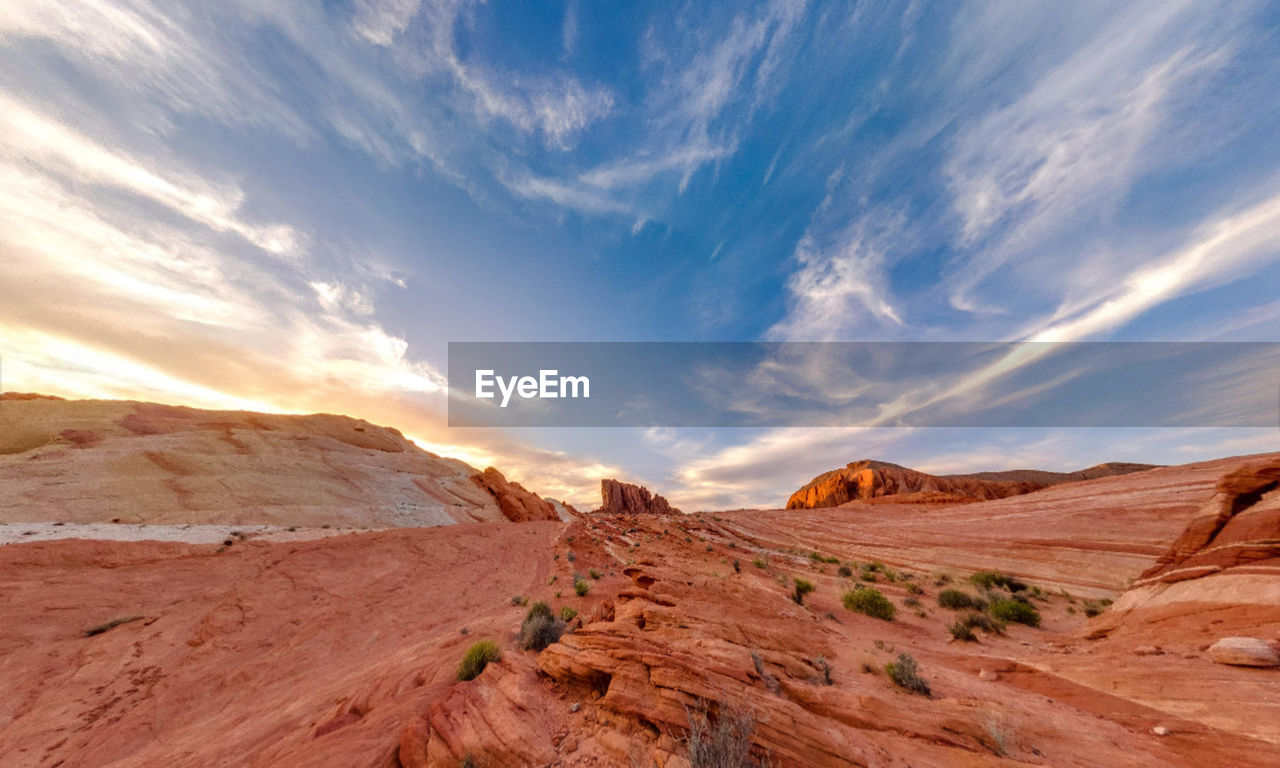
(871, 480)
(630, 499)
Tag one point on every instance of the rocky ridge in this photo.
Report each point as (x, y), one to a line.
(868, 479)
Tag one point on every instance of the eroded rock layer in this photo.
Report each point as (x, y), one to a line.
(94, 461)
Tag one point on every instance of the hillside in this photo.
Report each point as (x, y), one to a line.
(869, 479)
(103, 461)
(344, 651)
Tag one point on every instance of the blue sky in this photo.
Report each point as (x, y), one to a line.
(294, 206)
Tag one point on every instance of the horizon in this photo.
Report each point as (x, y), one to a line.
(293, 209)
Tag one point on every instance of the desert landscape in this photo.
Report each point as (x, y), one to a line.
(196, 588)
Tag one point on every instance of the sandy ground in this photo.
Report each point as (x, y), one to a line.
(21, 533)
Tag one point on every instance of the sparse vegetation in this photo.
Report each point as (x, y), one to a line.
(1094, 607)
(759, 562)
(568, 613)
(870, 601)
(1014, 611)
(962, 631)
(109, 625)
(722, 740)
(593, 573)
(519, 600)
(824, 667)
(990, 579)
(955, 600)
(540, 627)
(581, 586)
(477, 658)
(914, 589)
(800, 588)
(904, 674)
(844, 571)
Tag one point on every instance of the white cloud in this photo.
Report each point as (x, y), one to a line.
(842, 281)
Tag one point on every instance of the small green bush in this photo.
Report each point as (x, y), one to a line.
(844, 571)
(991, 579)
(581, 586)
(801, 588)
(477, 658)
(594, 573)
(519, 600)
(568, 613)
(955, 600)
(760, 563)
(870, 601)
(1015, 611)
(914, 589)
(905, 674)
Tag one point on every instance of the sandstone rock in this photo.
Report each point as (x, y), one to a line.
(629, 499)
(516, 503)
(90, 461)
(1244, 652)
(988, 674)
(865, 480)
(1160, 730)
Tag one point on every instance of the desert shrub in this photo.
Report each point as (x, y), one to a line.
(800, 588)
(477, 658)
(568, 613)
(870, 601)
(519, 600)
(868, 576)
(955, 600)
(1094, 607)
(824, 666)
(723, 741)
(540, 628)
(581, 586)
(844, 571)
(962, 631)
(593, 573)
(737, 566)
(914, 589)
(991, 579)
(1015, 611)
(904, 674)
(911, 602)
(759, 563)
(984, 622)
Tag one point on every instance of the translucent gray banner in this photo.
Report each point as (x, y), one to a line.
(820, 384)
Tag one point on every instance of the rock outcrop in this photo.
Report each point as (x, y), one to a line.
(93, 461)
(516, 503)
(867, 479)
(628, 499)
(1244, 652)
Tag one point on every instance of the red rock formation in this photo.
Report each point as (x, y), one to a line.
(863, 480)
(94, 461)
(626, 498)
(1239, 526)
(515, 502)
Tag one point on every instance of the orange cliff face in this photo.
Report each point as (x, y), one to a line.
(343, 651)
(114, 461)
(866, 480)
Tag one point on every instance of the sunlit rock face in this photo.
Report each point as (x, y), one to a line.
(103, 461)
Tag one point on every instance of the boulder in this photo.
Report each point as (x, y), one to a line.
(517, 504)
(1244, 652)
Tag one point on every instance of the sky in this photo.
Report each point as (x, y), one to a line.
(293, 206)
